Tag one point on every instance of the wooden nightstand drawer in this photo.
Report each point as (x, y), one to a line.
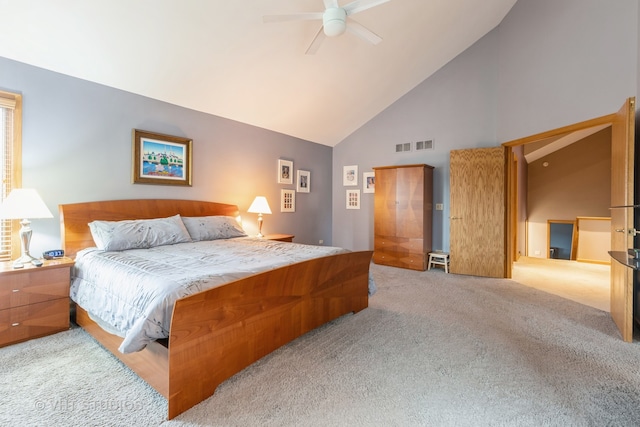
(34, 301)
(33, 287)
(32, 321)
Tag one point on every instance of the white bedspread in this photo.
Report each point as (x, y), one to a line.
(134, 291)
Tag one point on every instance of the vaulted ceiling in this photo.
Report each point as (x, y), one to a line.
(219, 57)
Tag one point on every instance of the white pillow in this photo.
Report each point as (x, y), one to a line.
(138, 234)
(213, 227)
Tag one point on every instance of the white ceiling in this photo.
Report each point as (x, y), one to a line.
(218, 57)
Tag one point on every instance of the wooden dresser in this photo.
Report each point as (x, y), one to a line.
(34, 301)
(403, 206)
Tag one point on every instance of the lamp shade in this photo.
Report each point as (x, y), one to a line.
(24, 203)
(260, 205)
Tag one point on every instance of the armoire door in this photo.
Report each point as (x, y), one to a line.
(477, 209)
(385, 202)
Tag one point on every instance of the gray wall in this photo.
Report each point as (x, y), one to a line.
(575, 182)
(77, 147)
(550, 63)
(454, 107)
(565, 61)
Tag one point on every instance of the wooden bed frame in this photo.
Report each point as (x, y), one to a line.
(217, 333)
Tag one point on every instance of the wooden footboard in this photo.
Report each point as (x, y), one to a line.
(217, 333)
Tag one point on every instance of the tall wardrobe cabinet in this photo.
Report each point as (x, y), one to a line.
(403, 215)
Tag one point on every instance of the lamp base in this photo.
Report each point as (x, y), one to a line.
(25, 239)
(260, 235)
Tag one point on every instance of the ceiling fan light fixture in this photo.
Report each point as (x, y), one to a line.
(334, 21)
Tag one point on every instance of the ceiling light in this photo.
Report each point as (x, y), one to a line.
(334, 21)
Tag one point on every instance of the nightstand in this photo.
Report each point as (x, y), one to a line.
(280, 237)
(34, 301)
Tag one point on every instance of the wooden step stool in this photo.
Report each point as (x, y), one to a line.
(438, 258)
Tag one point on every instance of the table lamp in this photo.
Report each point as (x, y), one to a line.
(23, 203)
(260, 206)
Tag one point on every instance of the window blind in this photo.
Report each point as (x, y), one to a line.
(7, 142)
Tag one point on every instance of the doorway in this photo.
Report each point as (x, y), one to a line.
(622, 197)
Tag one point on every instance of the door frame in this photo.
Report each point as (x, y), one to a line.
(512, 194)
(622, 124)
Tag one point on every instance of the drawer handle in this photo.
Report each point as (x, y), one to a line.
(16, 290)
(15, 324)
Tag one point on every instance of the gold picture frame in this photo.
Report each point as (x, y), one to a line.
(161, 159)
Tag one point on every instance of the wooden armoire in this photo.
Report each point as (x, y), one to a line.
(403, 215)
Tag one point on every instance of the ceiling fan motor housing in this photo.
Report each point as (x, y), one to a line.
(334, 21)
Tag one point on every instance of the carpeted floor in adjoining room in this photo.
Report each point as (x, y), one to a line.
(432, 349)
(583, 282)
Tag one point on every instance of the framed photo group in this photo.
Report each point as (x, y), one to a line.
(286, 176)
(350, 179)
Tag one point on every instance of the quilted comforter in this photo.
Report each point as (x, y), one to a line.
(131, 293)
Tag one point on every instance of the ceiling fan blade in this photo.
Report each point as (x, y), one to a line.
(363, 32)
(360, 5)
(317, 41)
(330, 3)
(292, 17)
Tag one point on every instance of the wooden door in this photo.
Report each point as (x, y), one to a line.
(477, 222)
(622, 227)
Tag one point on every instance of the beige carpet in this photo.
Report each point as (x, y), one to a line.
(433, 349)
(582, 282)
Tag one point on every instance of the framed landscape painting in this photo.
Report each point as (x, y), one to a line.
(161, 159)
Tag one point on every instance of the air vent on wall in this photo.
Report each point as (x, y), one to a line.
(424, 145)
(403, 147)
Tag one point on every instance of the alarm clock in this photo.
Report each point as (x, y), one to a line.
(52, 254)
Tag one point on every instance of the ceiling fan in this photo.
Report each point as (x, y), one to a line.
(335, 21)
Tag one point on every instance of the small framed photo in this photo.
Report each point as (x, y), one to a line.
(350, 175)
(285, 171)
(304, 181)
(287, 200)
(161, 159)
(353, 199)
(369, 182)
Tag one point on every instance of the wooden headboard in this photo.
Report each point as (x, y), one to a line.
(74, 218)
